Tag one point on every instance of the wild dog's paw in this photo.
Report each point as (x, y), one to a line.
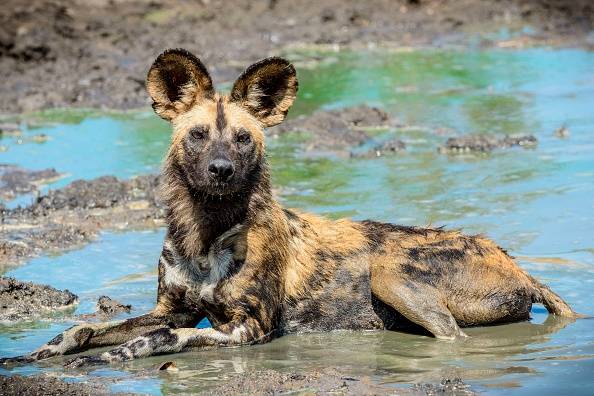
(45, 352)
(70, 341)
(82, 361)
(458, 335)
(9, 361)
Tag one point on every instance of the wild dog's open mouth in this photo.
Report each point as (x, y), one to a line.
(216, 195)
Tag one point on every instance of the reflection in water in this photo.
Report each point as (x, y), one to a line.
(536, 203)
(394, 357)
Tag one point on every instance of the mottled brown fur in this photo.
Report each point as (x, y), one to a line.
(257, 271)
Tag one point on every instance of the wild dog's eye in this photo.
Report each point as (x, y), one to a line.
(198, 133)
(243, 137)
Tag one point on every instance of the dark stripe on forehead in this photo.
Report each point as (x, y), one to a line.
(221, 120)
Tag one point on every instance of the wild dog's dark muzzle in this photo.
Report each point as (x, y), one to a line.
(221, 169)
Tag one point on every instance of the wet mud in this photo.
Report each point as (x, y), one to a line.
(17, 385)
(74, 215)
(344, 131)
(328, 381)
(106, 308)
(58, 53)
(28, 301)
(15, 181)
(385, 148)
(485, 144)
(323, 382)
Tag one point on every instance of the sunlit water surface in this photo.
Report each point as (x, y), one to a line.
(537, 203)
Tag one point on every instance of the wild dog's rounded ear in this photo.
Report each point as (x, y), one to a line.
(175, 80)
(267, 89)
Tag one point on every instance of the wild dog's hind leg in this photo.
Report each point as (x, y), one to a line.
(91, 335)
(418, 302)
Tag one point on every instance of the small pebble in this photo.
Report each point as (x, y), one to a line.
(562, 133)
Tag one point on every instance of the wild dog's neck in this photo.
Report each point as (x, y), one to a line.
(196, 218)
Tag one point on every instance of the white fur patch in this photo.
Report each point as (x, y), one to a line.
(205, 272)
(237, 333)
(219, 265)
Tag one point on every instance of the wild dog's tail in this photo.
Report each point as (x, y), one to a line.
(552, 302)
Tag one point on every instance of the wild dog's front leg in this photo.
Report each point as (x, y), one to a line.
(168, 340)
(91, 335)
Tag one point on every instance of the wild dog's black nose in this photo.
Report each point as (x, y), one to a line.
(221, 168)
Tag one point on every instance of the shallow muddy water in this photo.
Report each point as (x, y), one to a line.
(537, 203)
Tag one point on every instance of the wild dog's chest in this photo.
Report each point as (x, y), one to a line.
(201, 277)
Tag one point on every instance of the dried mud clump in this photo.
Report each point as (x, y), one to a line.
(389, 147)
(26, 300)
(485, 144)
(74, 215)
(15, 181)
(342, 131)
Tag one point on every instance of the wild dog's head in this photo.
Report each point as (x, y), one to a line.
(218, 140)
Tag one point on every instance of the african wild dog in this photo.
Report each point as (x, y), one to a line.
(257, 271)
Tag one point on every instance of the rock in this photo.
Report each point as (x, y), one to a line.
(389, 147)
(15, 181)
(109, 308)
(562, 133)
(27, 301)
(485, 144)
(10, 129)
(336, 130)
(105, 309)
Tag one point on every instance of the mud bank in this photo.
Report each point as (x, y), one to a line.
(58, 53)
(485, 144)
(106, 308)
(325, 382)
(15, 181)
(329, 381)
(45, 385)
(74, 215)
(344, 131)
(28, 301)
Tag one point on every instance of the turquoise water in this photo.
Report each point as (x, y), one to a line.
(538, 203)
